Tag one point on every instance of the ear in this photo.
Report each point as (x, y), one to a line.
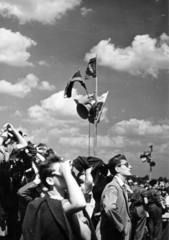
(49, 181)
(117, 169)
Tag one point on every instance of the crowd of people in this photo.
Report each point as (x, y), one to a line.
(45, 197)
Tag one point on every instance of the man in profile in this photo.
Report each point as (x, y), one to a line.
(47, 218)
(115, 223)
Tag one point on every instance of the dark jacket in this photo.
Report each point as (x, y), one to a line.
(45, 220)
(26, 194)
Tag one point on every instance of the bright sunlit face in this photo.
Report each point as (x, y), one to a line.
(124, 168)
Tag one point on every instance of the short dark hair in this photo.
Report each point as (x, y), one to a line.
(45, 168)
(113, 162)
(49, 152)
(141, 181)
(153, 182)
(42, 145)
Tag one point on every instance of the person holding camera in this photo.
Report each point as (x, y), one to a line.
(10, 141)
(49, 217)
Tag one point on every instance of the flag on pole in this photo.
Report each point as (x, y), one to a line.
(76, 78)
(100, 105)
(91, 69)
(146, 156)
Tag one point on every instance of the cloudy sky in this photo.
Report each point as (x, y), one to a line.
(44, 42)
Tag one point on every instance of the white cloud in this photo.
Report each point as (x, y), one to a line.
(146, 55)
(44, 85)
(73, 131)
(43, 63)
(136, 135)
(140, 128)
(18, 113)
(24, 86)
(81, 141)
(46, 11)
(13, 48)
(55, 110)
(60, 105)
(37, 135)
(85, 11)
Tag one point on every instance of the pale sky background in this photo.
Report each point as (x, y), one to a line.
(44, 42)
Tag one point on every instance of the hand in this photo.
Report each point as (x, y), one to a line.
(9, 127)
(37, 180)
(124, 232)
(65, 168)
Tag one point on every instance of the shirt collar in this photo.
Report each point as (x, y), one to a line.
(120, 181)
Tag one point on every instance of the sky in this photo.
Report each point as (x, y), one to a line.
(44, 42)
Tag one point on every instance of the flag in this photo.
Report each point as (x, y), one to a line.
(91, 69)
(100, 105)
(76, 78)
(146, 156)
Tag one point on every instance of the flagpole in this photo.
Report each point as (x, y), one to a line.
(89, 141)
(150, 175)
(95, 120)
(91, 72)
(95, 137)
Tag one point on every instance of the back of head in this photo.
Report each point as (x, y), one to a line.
(153, 182)
(113, 162)
(141, 181)
(42, 145)
(46, 167)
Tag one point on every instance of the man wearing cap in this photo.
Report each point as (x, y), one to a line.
(115, 220)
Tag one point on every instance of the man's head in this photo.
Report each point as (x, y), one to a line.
(162, 184)
(130, 182)
(153, 183)
(141, 182)
(119, 165)
(50, 174)
(42, 148)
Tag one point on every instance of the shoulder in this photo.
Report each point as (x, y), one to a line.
(36, 203)
(112, 186)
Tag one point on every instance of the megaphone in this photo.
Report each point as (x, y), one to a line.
(86, 108)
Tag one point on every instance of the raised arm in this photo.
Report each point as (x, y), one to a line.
(21, 142)
(76, 199)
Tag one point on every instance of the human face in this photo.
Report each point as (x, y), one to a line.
(124, 168)
(42, 150)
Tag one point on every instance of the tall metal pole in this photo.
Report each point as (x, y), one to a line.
(95, 138)
(150, 175)
(89, 141)
(150, 161)
(95, 126)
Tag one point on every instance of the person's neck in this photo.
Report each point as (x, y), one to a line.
(54, 193)
(123, 178)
